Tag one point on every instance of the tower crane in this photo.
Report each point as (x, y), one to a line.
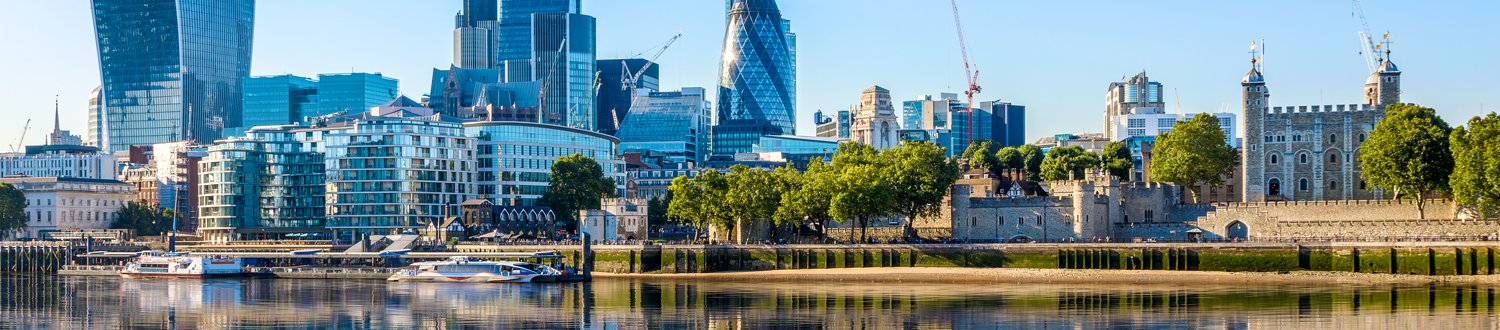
(22, 140)
(972, 75)
(634, 78)
(1370, 49)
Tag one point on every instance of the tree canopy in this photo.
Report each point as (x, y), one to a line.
(145, 220)
(577, 183)
(1068, 163)
(753, 196)
(12, 210)
(1031, 160)
(1193, 153)
(981, 154)
(1116, 160)
(1408, 152)
(1476, 169)
(920, 176)
(1008, 158)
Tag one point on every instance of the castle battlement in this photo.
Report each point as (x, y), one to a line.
(1319, 108)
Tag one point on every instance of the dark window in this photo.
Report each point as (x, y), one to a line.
(1302, 184)
(1333, 185)
(1302, 158)
(1274, 159)
(1333, 138)
(1150, 215)
(1361, 185)
(1333, 158)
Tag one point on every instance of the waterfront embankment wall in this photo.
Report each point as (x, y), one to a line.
(27, 258)
(1418, 258)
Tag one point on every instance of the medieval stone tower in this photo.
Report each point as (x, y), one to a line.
(1254, 97)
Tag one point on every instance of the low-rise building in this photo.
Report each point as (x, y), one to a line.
(480, 216)
(55, 204)
(616, 219)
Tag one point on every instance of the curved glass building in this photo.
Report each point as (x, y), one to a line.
(171, 69)
(515, 158)
(757, 77)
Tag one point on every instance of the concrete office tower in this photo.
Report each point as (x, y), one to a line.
(1137, 95)
(757, 77)
(875, 119)
(171, 69)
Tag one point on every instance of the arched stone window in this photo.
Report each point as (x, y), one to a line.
(1302, 184)
(1333, 138)
(1333, 185)
(1302, 158)
(1274, 159)
(1333, 158)
(1274, 188)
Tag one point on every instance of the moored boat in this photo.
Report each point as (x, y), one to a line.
(470, 269)
(176, 264)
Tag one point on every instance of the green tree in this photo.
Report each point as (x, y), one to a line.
(809, 194)
(920, 176)
(1031, 160)
(145, 220)
(1008, 158)
(577, 183)
(1068, 163)
(1116, 160)
(12, 210)
(687, 201)
(1408, 152)
(981, 154)
(656, 211)
(1476, 171)
(861, 193)
(753, 197)
(1193, 153)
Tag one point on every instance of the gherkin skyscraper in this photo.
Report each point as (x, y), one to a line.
(757, 77)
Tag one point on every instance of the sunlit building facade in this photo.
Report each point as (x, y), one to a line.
(757, 78)
(515, 158)
(675, 124)
(171, 69)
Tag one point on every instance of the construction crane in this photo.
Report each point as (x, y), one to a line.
(969, 73)
(1370, 49)
(551, 70)
(632, 79)
(21, 141)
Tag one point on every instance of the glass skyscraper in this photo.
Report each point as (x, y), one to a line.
(673, 123)
(353, 92)
(275, 100)
(757, 77)
(171, 69)
(263, 185)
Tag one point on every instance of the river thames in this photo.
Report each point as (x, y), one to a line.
(108, 303)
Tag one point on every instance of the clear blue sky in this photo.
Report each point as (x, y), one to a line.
(1055, 57)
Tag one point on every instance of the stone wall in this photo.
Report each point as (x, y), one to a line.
(1343, 220)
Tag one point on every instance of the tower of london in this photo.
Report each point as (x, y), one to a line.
(1310, 152)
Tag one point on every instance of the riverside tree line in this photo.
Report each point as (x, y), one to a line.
(1412, 152)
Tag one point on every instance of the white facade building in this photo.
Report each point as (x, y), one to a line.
(617, 219)
(1128, 126)
(54, 204)
(875, 120)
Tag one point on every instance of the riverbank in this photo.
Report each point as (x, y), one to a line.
(1060, 276)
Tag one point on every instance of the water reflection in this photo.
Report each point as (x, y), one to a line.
(106, 302)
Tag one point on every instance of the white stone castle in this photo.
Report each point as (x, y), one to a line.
(1310, 152)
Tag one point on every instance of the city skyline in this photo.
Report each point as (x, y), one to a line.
(1188, 46)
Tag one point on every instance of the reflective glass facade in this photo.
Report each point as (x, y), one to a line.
(514, 42)
(614, 94)
(171, 69)
(354, 92)
(515, 158)
(568, 76)
(757, 77)
(673, 123)
(276, 100)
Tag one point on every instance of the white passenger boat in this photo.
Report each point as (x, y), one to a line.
(178, 264)
(470, 269)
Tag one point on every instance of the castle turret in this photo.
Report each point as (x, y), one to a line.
(1384, 86)
(1255, 100)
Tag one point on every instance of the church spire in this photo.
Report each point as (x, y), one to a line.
(56, 116)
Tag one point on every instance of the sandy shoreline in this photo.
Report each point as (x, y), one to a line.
(1059, 276)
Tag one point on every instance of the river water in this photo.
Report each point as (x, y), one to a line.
(109, 303)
